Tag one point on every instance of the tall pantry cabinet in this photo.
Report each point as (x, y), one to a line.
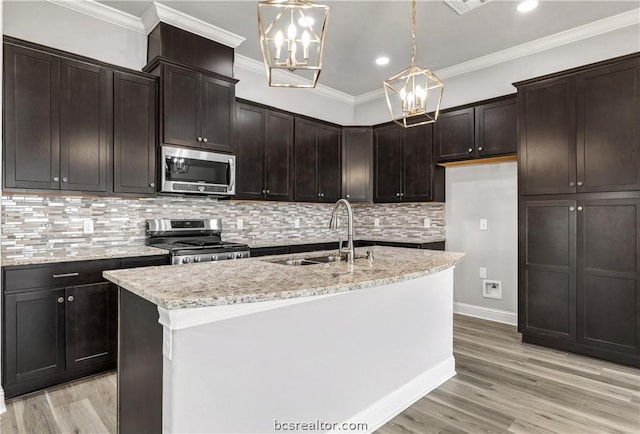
(579, 216)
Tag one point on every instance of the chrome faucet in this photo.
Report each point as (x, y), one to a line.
(333, 224)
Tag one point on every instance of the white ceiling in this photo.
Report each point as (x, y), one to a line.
(359, 31)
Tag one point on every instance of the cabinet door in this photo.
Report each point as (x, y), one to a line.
(134, 134)
(85, 125)
(547, 148)
(608, 271)
(306, 170)
(278, 151)
(34, 335)
(388, 155)
(418, 163)
(608, 128)
(181, 107)
(547, 269)
(454, 135)
(91, 325)
(496, 128)
(31, 119)
(218, 105)
(250, 152)
(357, 160)
(329, 169)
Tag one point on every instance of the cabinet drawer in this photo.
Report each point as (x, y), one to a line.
(145, 261)
(56, 275)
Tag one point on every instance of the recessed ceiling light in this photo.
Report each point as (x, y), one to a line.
(382, 60)
(306, 21)
(527, 5)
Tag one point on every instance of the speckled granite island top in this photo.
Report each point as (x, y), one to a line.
(260, 279)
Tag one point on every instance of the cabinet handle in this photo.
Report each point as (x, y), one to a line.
(470, 149)
(479, 148)
(397, 194)
(57, 276)
(318, 194)
(56, 179)
(152, 184)
(571, 208)
(579, 183)
(264, 191)
(348, 196)
(572, 184)
(268, 191)
(64, 179)
(70, 298)
(401, 194)
(60, 300)
(205, 140)
(579, 208)
(199, 139)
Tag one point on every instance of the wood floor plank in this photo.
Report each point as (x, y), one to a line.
(502, 385)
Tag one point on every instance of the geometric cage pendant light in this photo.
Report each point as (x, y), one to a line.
(292, 34)
(414, 94)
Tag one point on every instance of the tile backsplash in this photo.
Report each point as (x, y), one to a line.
(38, 225)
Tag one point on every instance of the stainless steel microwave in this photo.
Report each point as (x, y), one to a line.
(198, 172)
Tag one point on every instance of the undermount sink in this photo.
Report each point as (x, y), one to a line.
(310, 261)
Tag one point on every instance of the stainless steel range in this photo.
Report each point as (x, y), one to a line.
(193, 240)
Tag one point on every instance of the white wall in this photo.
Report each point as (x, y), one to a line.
(62, 28)
(484, 191)
(496, 80)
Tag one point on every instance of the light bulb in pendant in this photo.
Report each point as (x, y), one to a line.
(306, 40)
(279, 41)
(419, 97)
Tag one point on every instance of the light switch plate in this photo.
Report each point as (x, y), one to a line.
(484, 224)
(427, 223)
(483, 273)
(376, 222)
(296, 223)
(239, 224)
(88, 226)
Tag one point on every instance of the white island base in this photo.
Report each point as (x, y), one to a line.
(310, 363)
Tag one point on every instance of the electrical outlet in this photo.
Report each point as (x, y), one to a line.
(296, 223)
(483, 273)
(88, 226)
(484, 224)
(376, 222)
(427, 223)
(239, 224)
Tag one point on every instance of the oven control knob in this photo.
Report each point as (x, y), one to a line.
(239, 255)
(214, 257)
(230, 256)
(186, 260)
(197, 259)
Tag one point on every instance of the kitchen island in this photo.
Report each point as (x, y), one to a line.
(254, 345)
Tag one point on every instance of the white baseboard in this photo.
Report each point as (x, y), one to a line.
(487, 313)
(399, 400)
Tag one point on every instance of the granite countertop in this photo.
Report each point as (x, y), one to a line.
(89, 254)
(259, 279)
(257, 243)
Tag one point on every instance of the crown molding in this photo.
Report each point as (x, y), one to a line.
(104, 13)
(157, 12)
(559, 39)
(258, 67)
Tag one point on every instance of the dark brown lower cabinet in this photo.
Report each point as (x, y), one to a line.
(579, 276)
(60, 322)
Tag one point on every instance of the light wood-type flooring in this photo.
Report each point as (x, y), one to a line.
(502, 386)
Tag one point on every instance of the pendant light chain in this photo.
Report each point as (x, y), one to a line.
(413, 32)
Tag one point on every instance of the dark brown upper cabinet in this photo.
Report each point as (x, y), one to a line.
(581, 132)
(58, 122)
(264, 153)
(197, 109)
(134, 134)
(484, 130)
(317, 151)
(403, 163)
(357, 162)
